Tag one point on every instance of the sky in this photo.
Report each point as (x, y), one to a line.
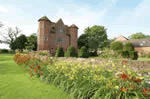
(120, 17)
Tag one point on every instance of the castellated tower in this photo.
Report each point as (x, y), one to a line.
(43, 31)
(73, 29)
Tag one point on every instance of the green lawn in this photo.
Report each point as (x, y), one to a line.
(15, 83)
(144, 59)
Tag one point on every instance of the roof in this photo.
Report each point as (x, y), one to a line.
(139, 42)
(73, 26)
(60, 21)
(121, 38)
(44, 18)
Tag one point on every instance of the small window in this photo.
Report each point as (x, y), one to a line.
(60, 39)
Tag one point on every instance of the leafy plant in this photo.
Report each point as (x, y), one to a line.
(128, 47)
(83, 52)
(70, 52)
(117, 45)
(59, 52)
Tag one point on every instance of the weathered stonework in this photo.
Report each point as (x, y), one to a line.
(52, 35)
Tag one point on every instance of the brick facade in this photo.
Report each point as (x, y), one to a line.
(52, 35)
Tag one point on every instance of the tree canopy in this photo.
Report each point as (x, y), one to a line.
(97, 37)
(31, 43)
(138, 35)
(83, 41)
(19, 43)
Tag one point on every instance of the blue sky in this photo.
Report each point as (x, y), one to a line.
(124, 17)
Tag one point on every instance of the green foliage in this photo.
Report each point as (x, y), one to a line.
(128, 47)
(59, 52)
(44, 53)
(117, 45)
(31, 43)
(70, 52)
(109, 53)
(19, 43)
(133, 55)
(137, 36)
(83, 52)
(125, 54)
(93, 53)
(97, 37)
(83, 41)
(3, 50)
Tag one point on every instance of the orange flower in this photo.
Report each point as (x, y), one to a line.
(138, 80)
(124, 62)
(123, 76)
(124, 89)
(38, 67)
(35, 70)
(144, 91)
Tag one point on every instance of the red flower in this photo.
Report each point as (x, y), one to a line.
(123, 76)
(38, 67)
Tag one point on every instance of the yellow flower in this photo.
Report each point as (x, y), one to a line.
(116, 87)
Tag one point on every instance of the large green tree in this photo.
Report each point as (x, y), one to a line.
(19, 43)
(31, 43)
(138, 35)
(83, 41)
(97, 37)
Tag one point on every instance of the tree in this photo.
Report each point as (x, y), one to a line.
(138, 35)
(1, 24)
(97, 37)
(19, 43)
(31, 43)
(83, 41)
(128, 47)
(59, 52)
(10, 35)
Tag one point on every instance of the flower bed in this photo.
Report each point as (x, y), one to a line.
(109, 80)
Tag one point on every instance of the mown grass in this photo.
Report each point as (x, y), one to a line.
(15, 83)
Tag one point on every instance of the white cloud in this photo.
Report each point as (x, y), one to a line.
(3, 9)
(82, 16)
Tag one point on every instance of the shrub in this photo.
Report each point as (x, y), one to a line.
(11, 52)
(117, 45)
(125, 54)
(128, 47)
(109, 53)
(83, 52)
(25, 51)
(4, 51)
(59, 52)
(133, 55)
(93, 54)
(70, 52)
